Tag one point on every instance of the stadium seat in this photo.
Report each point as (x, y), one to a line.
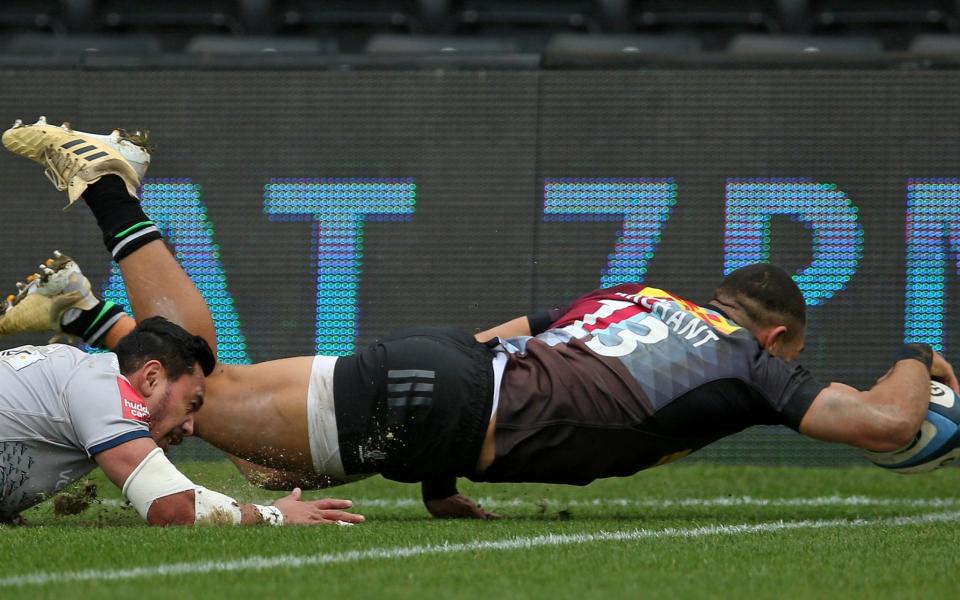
(175, 21)
(748, 43)
(575, 14)
(19, 16)
(935, 13)
(227, 44)
(714, 22)
(400, 14)
(350, 22)
(40, 44)
(896, 22)
(387, 43)
(215, 15)
(592, 44)
(435, 16)
(613, 15)
(935, 43)
(78, 16)
(794, 16)
(257, 17)
(529, 23)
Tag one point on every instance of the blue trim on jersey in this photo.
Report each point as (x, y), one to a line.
(120, 439)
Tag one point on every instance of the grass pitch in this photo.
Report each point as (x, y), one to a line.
(675, 532)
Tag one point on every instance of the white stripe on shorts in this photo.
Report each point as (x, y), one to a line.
(499, 364)
(322, 419)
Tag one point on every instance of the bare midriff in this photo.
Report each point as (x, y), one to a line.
(259, 412)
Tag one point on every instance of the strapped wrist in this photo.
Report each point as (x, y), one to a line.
(921, 352)
(269, 514)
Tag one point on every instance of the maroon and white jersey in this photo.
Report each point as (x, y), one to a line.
(631, 377)
(58, 408)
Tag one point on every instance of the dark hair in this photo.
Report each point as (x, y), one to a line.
(767, 295)
(157, 338)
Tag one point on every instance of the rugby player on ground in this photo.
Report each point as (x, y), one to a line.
(623, 379)
(64, 412)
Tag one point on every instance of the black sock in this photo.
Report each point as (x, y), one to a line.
(120, 217)
(91, 325)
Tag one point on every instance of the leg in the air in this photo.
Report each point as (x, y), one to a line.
(257, 412)
(156, 283)
(107, 171)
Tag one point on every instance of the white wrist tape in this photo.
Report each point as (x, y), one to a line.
(270, 515)
(155, 477)
(214, 508)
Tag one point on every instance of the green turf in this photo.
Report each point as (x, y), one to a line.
(876, 561)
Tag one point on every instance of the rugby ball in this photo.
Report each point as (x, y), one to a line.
(938, 441)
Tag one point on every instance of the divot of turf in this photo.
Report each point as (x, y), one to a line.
(75, 499)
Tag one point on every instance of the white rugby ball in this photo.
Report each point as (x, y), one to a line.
(938, 441)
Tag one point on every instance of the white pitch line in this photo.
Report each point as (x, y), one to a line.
(256, 563)
(360, 503)
(835, 500)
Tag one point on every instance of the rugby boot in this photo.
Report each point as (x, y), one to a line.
(41, 303)
(74, 159)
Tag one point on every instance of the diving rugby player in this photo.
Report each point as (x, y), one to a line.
(623, 379)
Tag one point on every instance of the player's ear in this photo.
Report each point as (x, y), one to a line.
(772, 339)
(151, 374)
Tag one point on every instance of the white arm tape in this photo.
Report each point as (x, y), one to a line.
(155, 477)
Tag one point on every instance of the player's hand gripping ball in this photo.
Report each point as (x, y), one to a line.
(936, 444)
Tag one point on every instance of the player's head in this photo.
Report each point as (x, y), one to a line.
(765, 299)
(166, 365)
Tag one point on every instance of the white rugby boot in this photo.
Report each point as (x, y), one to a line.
(75, 159)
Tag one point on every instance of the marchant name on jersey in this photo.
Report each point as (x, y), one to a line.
(684, 323)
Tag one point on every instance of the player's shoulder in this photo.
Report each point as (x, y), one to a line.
(104, 361)
(87, 369)
(98, 384)
(61, 359)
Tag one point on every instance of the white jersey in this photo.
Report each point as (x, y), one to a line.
(58, 408)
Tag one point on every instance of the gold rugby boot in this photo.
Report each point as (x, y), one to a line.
(75, 160)
(40, 303)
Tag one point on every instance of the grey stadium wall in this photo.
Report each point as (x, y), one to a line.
(320, 209)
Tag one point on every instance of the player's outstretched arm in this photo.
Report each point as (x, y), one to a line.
(533, 324)
(887, 416)
(458, 506)
(164, 496)
(514, 328)
(443, 501)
